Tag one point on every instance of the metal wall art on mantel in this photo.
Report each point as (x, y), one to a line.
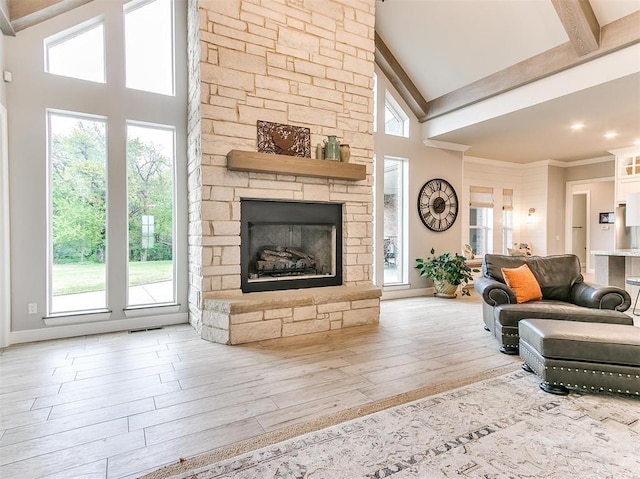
(284, 139)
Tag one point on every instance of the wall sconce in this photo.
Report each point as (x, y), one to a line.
(531, 215)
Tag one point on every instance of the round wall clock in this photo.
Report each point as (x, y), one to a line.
(438, 204)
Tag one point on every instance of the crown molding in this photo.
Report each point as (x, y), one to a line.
(445, 145)
(489, 162)
(560, 164)
(588, 161)
(629, 150)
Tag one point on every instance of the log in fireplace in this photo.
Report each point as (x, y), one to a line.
(290, 245)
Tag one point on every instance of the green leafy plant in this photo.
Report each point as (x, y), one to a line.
(446, 267)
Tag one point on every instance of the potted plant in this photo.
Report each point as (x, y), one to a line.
(448, 271)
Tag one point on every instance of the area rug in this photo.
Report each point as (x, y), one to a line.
(503, 427)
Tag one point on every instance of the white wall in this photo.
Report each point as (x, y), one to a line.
(425, 163)
(534, 195)
(602, 167)
(3, 85)
(555, 210)
(602, 200)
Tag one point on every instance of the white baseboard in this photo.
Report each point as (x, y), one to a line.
(71, 330)
(406, 293)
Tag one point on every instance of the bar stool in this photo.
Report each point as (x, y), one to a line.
(634, 282)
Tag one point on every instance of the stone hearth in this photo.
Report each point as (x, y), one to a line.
(233, 319)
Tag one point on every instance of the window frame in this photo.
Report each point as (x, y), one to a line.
(67, 34)
(397, 111)
(402, 261)
(174, 231)
(49, 211)
(132, 6)
(486, 229)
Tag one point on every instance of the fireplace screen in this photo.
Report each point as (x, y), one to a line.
(288, 245)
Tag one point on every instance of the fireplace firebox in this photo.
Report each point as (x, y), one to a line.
(290, 245)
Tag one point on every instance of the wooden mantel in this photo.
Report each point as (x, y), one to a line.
(238, 160)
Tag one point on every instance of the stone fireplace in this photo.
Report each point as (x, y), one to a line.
(305, 64)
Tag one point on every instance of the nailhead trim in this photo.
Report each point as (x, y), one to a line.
(530, 358)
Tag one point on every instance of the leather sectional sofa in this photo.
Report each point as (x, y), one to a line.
(565, 296)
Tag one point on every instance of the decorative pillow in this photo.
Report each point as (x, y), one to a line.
(467, 252)
(523, 283)
(521, 250)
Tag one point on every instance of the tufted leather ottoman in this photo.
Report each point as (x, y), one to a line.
(507, 317)
(591, 356)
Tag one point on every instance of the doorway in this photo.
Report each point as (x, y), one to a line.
(580, 206)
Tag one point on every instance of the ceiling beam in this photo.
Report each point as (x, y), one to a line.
(5, 23)
(399, 78)
(614, 36)
(580, 23)
(25, 14)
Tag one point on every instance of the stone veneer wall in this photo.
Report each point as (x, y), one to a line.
(299, 62)
(194, 159)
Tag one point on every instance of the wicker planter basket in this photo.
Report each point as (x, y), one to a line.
(444, 289)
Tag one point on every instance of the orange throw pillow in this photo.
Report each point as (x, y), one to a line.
(523, 283)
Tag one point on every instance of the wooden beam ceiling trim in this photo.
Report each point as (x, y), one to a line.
(399, 78)
(5, 24)
(26, 14)
(616, 35)
(580, 23)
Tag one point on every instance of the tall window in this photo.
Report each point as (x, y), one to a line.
(150, 158)
(507, 219)
(395, 221)
(481, 220)
(396, 121)
(78, 216)
(112, 246)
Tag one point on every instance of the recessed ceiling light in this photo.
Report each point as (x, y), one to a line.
(611, 134)
(577, 126)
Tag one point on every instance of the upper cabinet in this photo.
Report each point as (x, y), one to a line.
(629, 166)
(627, 172)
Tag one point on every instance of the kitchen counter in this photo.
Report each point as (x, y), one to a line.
(613, 267)
(618, 252)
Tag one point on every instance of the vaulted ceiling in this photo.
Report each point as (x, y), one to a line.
(447, 57)
(451, 57)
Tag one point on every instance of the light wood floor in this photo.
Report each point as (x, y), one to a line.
(119, 405)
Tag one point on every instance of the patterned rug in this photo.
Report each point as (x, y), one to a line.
(504, 427)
